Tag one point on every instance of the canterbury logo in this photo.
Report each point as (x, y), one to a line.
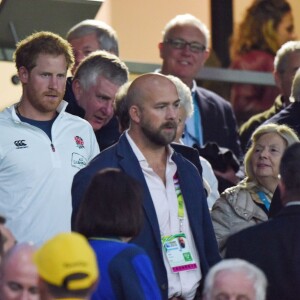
(20, 144)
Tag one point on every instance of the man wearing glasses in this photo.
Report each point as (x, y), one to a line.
(184, 50)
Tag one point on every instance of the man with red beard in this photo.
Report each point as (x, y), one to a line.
(41, 146)
(174, 200)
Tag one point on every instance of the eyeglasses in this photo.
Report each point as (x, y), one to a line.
(181, 44)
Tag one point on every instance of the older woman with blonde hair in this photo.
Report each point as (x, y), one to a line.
(248, 202)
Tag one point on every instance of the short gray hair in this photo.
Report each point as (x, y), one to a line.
(107, 36)
(186, 19)
(295, 93)
(282, 55)
(101, 63)
(237, 265)
(184, 94)
(121, 106)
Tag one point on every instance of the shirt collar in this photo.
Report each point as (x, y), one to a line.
(138, 152)
(194, 88)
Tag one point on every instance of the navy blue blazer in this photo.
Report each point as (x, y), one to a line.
(218, 121)
(289, 116)
(273, 246)
(121, 156)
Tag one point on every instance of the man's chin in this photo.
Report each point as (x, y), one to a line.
(97, 125)
(97, 128)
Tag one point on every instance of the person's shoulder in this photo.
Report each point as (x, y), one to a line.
(74, 118)
(129, 252)
(232, 191)
(250, 234)
(183, 149)
(254, 121)
(285, 114)
(235, 197)
(183, 162)
(6, 113)
(254, 60)
(256, 53)
(75, 122)
(212, 96)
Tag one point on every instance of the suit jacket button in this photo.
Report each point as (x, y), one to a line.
(163, 286)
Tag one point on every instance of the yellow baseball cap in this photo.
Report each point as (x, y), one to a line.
(68, 261)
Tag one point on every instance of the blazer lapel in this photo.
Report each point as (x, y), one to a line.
(131, 166)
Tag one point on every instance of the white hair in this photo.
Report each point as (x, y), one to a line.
(184, 94)
(282, 55)
(295, 93)
(237, 265)
(186, 19)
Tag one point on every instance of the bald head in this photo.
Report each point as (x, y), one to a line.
(146, 86)
(18, 274)
(153, 108)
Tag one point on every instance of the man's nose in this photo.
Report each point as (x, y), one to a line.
(172, 113)
(186, 49)
(53, 83)
(26, 295)
(107, 107)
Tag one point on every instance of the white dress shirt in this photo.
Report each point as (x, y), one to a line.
(165, 201)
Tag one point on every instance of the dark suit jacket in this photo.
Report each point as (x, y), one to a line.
(276, 204)
(248, 127)
(108, 134)
(72, 108)
(218, 121)
(190, 154)
(289, 116)
(273, 246)
(121, 156)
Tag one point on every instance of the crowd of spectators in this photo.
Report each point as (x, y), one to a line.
(117, 189)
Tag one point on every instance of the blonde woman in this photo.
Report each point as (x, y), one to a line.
(248, 202)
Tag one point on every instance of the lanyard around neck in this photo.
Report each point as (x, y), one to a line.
(262, 196)
(180, 202)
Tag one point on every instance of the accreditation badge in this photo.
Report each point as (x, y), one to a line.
(178, 253)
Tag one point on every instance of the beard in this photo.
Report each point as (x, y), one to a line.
(159, 136)
(43, 105)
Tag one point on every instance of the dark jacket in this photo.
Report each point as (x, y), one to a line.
(218, 121)
(274, 247)
(289, 116)
(248, 128)
(121, 156)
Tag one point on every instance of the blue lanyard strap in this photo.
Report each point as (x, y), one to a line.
(262, 196)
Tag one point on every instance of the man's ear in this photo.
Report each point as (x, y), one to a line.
(277, 79)
(23, 74)
(206, 55)
(135, 114)
(42, 287)
(77, 90)
(161, 49)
